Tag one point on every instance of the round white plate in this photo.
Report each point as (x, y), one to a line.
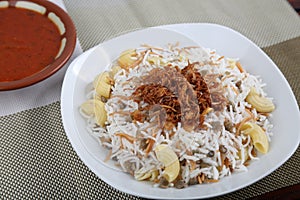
(226, 42)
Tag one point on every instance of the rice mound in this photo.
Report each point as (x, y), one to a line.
(143, 113)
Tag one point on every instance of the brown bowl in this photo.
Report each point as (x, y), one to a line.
(65, 37)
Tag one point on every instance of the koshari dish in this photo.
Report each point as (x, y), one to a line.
(179, 116)
(29, 42)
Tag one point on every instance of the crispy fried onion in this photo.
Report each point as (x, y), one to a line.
(175, 96)
(218, 100)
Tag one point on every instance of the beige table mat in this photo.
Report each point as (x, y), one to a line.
(36, 158)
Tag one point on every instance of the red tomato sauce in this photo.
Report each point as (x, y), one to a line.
(29, 42)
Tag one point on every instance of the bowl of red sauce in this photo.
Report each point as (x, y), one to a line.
(37, 38)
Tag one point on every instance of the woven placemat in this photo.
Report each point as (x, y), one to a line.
(37, 160)
(264, 22)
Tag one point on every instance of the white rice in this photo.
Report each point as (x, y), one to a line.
(200, 143)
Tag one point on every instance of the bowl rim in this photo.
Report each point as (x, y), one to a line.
(52, 68)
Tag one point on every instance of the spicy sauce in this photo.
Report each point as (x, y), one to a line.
(29, 41)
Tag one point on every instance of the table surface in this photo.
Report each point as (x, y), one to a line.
(37, 160)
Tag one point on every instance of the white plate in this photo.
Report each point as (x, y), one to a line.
(227, 42)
